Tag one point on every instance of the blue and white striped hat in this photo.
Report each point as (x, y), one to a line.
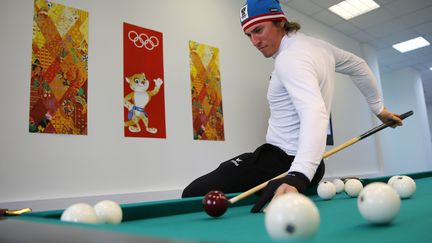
(258, 11)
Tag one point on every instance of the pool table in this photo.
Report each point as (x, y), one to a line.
(183, 220)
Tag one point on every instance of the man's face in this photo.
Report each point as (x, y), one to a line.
(266, 37)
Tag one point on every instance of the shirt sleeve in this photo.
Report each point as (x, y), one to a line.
(300, 80)
(362, 76)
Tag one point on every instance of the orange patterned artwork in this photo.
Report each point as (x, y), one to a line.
(58, 91)
(207, 113)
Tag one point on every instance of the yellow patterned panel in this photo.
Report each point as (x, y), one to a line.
(44, 57)
(41, 4)
(38, 38)
(206, 92)
(84, 27)
(55, 12)
(58, 86)
(75, 32)
(58, 95)
(66, 20)
(63, 125)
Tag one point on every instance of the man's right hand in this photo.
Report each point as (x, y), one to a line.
(387, 116)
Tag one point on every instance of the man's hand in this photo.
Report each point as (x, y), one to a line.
(282, 189)
(293, 182)
(387, 116)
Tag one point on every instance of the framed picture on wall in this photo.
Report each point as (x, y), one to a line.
(330, 133)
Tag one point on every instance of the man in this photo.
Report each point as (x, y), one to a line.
(300, 94)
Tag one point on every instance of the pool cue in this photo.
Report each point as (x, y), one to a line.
(327, 154)
(10, 212)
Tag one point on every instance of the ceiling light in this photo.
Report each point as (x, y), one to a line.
(352, 8)
(430, 68)
(410, 45)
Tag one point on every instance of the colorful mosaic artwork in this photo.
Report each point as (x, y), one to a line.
(143, 81)
(207, 112)
(59, 73)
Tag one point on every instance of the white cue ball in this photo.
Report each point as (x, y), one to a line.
(109, 212)
(378, 203)
(390, 181)
(353, 187)
(326, 190)
(80, 213)
(340, 185)
(405, 186)
(292, 216)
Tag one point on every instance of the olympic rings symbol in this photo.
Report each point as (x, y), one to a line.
(142, 40)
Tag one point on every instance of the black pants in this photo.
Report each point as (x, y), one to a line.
(246, 171)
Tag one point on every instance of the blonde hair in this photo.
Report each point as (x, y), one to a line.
(289, 27)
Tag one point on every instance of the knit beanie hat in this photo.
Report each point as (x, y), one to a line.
(258, 11)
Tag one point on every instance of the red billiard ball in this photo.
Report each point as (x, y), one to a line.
(215, 203)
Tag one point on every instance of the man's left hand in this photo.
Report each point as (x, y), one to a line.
(387, 116)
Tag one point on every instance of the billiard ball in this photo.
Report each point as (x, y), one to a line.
(340, 186)
(326, 190)
(215, 203)
(108, 212)
(292, 216)
(378, 203)
(390, 181)
(80, 213)
(405, 186)
(353, 187)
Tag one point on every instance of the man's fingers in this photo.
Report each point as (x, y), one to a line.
(262, 201)
(266, 195)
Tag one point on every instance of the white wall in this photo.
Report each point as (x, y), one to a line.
(43, 166)
(409, 149)
(371, 58)
(429, 112)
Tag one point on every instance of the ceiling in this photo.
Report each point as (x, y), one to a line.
(393, 22)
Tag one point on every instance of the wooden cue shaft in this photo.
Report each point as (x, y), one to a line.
(327, 154)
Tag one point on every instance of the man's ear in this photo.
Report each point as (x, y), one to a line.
(282, 24)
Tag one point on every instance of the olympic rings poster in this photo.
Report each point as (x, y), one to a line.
(207, 113)
(143, 82)
(59, 73)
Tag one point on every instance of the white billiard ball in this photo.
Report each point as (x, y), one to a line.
(326, 190)
(109, 212)
(80, 213)
(292, 216)
(378, 203)
(390, 181)
(353, 187)
(339, 184)
(405, 186)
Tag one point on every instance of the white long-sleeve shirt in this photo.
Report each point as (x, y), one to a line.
(300, 94)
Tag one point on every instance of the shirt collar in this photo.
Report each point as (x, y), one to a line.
(286, 40)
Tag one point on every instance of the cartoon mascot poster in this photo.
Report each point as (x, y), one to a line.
(143, 99)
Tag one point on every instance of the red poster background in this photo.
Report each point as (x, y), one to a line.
(143, 60)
